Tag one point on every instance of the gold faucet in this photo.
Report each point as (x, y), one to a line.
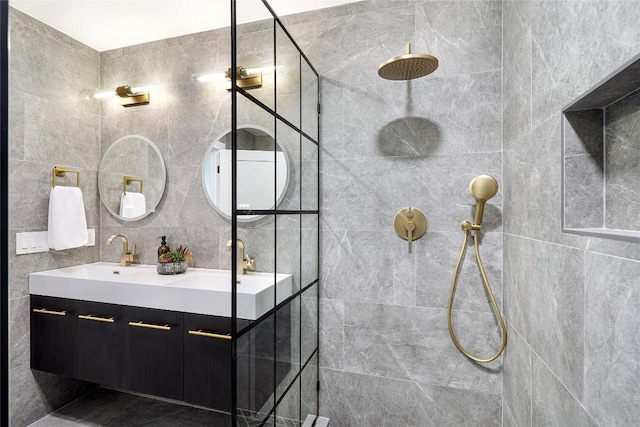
(243, 262)
(126, 258)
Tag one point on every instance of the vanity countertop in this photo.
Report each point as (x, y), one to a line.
(199, 290)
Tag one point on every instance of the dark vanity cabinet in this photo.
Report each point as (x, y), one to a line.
(101, 331)
(207, 355)
(170, 354)
(54, 335)
(154, 342)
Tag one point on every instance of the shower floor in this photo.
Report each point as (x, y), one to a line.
(109, 408)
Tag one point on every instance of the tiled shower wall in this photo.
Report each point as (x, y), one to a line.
(51, 123)
(572, 302)
(386, 356)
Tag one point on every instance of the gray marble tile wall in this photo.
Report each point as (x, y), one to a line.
(182, 120)
(386, 357)
(51, 123)
(622, 160)
(571, 302)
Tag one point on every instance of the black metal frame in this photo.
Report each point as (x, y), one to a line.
(236, 334)
(4, 212)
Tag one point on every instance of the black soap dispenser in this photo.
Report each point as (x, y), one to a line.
(163, 249)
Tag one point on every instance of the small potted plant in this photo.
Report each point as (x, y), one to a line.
(174, 261)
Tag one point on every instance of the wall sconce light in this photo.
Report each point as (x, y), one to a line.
(129, 96)
(247, 78)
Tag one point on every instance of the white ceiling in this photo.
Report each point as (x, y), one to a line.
(109, 24)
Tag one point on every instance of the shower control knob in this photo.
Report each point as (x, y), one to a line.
(410, 224)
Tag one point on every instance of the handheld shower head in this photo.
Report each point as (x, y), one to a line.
(482, 188)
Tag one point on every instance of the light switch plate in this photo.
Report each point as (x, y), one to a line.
(38, 241)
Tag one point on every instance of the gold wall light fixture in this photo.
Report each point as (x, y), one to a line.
(246, 78)
(129, 96)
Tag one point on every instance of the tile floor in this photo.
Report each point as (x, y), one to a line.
(109, 408)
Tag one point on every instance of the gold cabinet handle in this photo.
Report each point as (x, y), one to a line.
(96, 318)
(200, 333)
(150, 326)
(45, 311)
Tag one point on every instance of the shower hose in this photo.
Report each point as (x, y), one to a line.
(467, 227)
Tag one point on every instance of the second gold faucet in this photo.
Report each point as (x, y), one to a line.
(126, 258)
(244, 262)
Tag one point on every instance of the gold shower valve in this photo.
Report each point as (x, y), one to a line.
(410, 224)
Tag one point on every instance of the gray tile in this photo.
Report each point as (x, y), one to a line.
(40, 393)
(622, 163)
(110, 408)
(544, 300)
(516, 381)
(583, 192)
(16, 125)
(438, 253)
(21, 18)
(612, 304)
(466, 37)
(583, 132)
(566, 38)
(553, 405)
(19, 334)
(331, 333)
(309, 389)
(532, 185)
(413, 343)
(390, 29)
(363, 400)
(332, 120)
(65, 74)
(378, 187)
(516, 80)
(192, 130)
(56, 134)
(363, 281)
(615, 247)
(382, 119)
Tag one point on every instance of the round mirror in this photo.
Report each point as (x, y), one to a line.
(261, 175)
(131, 178)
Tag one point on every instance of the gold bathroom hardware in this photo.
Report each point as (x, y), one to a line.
(131, 98)
(408, 66)
(201, 333)
(96, 318)
(244, 262)
(482, 188)
(59, 171)
(410, 224)
(245, 79)
(126, 258)
(46, 311)
(139, 324)
(128, 180)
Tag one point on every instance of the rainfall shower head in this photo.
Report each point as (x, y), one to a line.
(408, 66)
(482, 188)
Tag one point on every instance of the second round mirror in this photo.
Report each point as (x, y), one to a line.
(262, 175)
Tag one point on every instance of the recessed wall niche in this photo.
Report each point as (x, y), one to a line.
(601, 158)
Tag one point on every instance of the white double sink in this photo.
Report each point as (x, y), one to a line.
(199, 290)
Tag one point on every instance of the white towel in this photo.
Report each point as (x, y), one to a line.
(67, 220)
(132, 205)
